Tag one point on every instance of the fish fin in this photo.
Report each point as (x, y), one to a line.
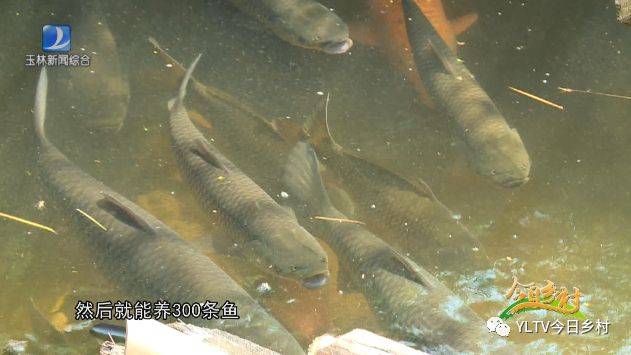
(462, 23)
(289, 131)
(341, 200)
(202, 150)
(445, 58)
(171, 103)
(302, 178)
(317, 126)
(44, 325)
(121, 211)
(199, 120)
(412, 271)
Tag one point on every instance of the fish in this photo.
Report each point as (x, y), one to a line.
(447, 244)
(100, 93)
(386, 30)
(394, 205)
(142, 252)
(302, 23)
(267, 232)
(497, 150)
(412, 301)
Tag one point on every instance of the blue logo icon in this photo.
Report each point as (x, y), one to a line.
(56, 38)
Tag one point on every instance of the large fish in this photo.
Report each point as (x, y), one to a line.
(497, 149)
(412, 301)
(398, 207)
(404, 208)
(303, 23)
(100, 92)
(270, 233)
(145, 253)
(385, 29)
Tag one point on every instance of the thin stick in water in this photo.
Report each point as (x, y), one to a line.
(537, 98)
(341, 220)
(568, 90)
(27, 222)
(92, 219)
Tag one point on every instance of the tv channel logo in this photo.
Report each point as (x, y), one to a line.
(56, 38)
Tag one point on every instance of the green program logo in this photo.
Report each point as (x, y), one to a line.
(531, 297)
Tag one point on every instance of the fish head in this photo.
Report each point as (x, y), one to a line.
(504, 159)
(108, 113)
(290, 252)
(314, 27)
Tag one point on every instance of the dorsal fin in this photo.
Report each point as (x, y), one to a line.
(411, 270)
(123, 212)
(462, 23)
(202, 149)
(417, 184)
(317, 126)
(446, 58)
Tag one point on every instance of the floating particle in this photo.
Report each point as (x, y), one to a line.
(320, 93)
(40, 205)
(541, 215)
(283, 194)
(264, 288)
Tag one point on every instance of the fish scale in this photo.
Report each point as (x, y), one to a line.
(269, 233)
(497, 150)
(152, 260)
(412, 301)
(404, 211)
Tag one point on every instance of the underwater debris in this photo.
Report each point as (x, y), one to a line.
(537, 98)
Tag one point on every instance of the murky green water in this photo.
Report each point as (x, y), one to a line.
(569, 223)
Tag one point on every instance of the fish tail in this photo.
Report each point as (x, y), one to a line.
(316, 127)
(187, 77)
(40, 107)
(302, 179)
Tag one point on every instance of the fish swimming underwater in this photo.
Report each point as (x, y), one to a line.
(386, 30)
(303, 23)
(100, 92)
(497, 149)
(404, 208)
(397, 207)
(270, 233)
(411, 300)
(145, 254)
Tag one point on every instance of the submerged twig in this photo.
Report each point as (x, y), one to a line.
(92, 219)
(341, 220)
(27, 222)
(568, 90)
(537, 98)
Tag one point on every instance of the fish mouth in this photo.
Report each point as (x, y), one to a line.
(338, 47)
(515, 182)
(315, 281)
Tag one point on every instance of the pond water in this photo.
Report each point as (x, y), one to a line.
(568, 224)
